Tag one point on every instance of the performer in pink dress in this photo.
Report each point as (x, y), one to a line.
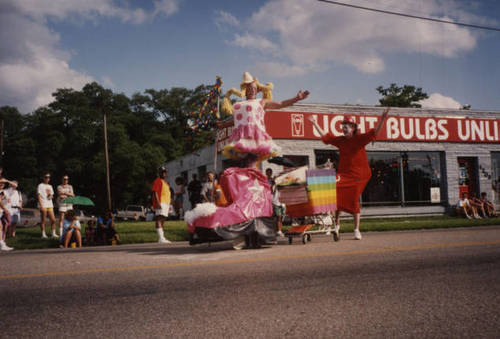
(248, 194)
(249, 141)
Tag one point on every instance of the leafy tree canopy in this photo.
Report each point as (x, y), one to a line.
(406, 96)
(66, 137)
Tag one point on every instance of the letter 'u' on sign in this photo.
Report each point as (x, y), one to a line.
(297, 125)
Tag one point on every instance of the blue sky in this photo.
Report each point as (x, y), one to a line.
(339, 54)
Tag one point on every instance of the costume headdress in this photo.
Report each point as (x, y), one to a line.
(267, 92)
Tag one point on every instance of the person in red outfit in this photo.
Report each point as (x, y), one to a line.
(353, 172)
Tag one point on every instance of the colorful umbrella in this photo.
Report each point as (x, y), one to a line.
(78, 200)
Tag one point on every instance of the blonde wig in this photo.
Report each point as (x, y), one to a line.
(267, 93)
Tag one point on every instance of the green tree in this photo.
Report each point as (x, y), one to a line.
(406, 96)
(66, 137)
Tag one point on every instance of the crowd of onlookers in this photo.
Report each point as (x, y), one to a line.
(103, 231)
(476, 207)
(11, 205)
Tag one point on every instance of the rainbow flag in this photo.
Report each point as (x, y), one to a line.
(321, 193)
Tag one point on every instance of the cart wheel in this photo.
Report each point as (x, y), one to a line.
(304, 238)
(290, 239)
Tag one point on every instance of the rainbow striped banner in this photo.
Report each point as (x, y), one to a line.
(321, 192)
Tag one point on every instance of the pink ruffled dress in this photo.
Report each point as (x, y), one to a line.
(249, 134)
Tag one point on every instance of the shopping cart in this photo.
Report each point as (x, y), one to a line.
(315, 200)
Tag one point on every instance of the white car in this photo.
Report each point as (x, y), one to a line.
(132, 212)
(30, 217)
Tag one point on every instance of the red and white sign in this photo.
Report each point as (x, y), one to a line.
(296, 125)
(223, 135)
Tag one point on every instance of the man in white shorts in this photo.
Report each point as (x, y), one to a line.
(161, 203)
(45, 196)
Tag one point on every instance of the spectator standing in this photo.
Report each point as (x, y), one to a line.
(194, 191)
(106, 230)
(64, 190)
(207, 190)
(179, 197)
(353, 172)
(71, 226)
(4, 219)
(278, 207)
(220, 198)
(45, 195)
(161, 203)
(14, 205)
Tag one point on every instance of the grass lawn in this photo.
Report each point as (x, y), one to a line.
(144, 231)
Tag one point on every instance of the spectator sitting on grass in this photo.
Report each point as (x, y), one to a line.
(106, 231)
(464, 207)
(488, 205)
(71, 228)
(90, 233)
(478, 206)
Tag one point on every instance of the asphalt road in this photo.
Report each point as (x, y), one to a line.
(440, 283)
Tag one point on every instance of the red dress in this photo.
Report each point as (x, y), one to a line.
(353, 172)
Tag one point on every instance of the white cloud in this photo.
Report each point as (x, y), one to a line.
(107, 82)
(257, 42)
(224, 19)
(62, 9)
(276, 69)
(437, 100)
(315, 34)
(32, 64)
(167, 7)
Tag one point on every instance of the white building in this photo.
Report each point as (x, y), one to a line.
(421, 162)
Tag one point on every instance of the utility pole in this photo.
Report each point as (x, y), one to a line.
(106, 158)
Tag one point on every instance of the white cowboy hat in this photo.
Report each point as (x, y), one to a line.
(247, 78)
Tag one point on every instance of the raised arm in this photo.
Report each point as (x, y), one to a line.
(381, 121)
(315, 124)
(268, 104)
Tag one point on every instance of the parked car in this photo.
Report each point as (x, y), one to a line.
(132, 212)
(84, 218)
(30, 217)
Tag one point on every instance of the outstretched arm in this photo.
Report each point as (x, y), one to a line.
(315, 124)
(267, 104)
(382, 119)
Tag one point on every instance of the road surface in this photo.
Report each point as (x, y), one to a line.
(436, 283)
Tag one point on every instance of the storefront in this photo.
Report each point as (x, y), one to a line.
(421, 162)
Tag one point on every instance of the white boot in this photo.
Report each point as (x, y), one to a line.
(54, 234)
(161, 237)
(4, 247)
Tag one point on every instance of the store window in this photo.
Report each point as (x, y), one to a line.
(323, 156)
(298, 160)
(400, 178)
(495, 176)
(384, 187)
(422, 177)
(404, 178)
